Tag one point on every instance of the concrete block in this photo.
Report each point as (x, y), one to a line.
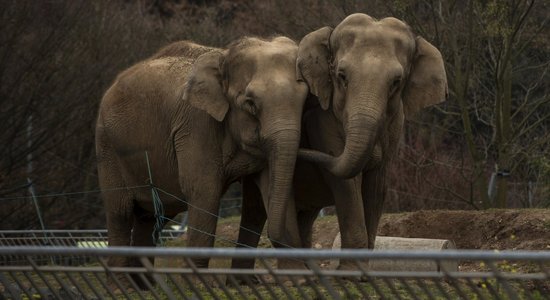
(403, 244)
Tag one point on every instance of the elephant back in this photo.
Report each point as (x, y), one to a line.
(185, 49)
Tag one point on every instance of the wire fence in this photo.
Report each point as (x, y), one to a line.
(497, 275)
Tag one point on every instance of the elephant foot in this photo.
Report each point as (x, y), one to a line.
(247, 280)
(121, 284)
(244, 279)
(287, 281)
(292, 264)
(201, 281)
(119, 292)
(144, 283)
(354, 265)
(130, 283)
(298, 281)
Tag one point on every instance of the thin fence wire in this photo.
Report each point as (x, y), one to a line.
(498, 275)
(159, 214)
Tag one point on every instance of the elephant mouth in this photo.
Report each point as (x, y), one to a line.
(252, 150)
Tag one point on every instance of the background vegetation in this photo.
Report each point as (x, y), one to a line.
(487, 146)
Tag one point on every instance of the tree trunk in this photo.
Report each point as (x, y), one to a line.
(503, 115)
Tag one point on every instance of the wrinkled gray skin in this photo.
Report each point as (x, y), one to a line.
(205, 117)
(367, 75)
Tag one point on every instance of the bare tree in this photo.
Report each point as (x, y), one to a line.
(497, 63)
(56, 59)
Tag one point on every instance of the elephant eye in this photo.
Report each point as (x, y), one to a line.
(395, 85)
(343, 79)
(250, 107)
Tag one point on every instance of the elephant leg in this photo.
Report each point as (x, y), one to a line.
(374, 191)
(305, 225)
(326, 134)
(351, 219)
(142, 236)
(119, 229)
(253, 219)
(202, 219)
(119, 207)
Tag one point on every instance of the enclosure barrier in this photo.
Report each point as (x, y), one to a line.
(95, 238)
(63, 237)
(484, 275)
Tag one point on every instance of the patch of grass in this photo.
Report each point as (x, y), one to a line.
(375, 288)
(232, 219)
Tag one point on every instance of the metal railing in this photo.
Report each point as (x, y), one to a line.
(483, 275)
(63, 237)
(95, 238)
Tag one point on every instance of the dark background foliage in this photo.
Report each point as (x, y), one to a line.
(58, 57)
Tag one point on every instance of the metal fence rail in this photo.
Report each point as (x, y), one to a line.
(95, 238)
(498, 275)
(63, 237)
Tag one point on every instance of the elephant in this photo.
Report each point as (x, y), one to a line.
(189, 121)
(366, 76)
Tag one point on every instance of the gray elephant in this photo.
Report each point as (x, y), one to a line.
(367, 75)
(205, 117)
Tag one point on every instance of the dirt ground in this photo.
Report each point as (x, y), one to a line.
(510, 229)
(525, 229)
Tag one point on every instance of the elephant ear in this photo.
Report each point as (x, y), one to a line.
(427, 84)
(312, 64)
(204, 88)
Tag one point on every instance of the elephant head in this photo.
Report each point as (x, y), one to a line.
(367, 71)
(252, 87)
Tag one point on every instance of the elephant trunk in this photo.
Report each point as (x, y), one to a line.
(361, 131)
(283, 145)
